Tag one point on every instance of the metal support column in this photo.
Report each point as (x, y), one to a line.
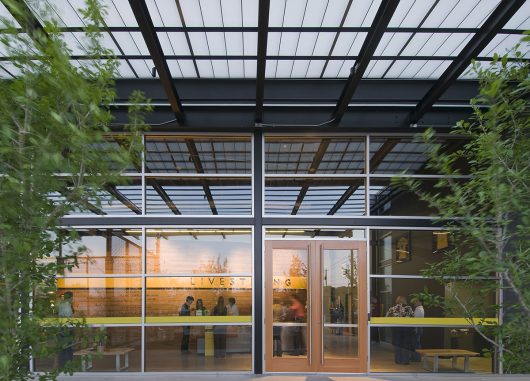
(258, 251)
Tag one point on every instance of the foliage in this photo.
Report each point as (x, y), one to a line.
(54, 158)
(488, 215)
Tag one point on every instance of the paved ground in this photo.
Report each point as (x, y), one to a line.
(238, 377)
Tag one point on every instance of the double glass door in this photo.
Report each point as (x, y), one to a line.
(315, 306)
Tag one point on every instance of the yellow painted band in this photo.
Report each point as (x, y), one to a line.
(198, 319)
(98, 320)
(152, 319)
(447, 321)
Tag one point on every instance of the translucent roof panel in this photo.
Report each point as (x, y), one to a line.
(521, 19)
(228, 13)
(306, 13)
(22, 43)
(173, 43)
(125, 68)
(377, 68)
(164, 13)
(392, 43)
(436, 44)
(349, 43)
(299, 43)
(78, 42)
(6, 18)
(399, 54)
(460, 14)
(8, 70)
(66, 12)
(502, 44)
(410, 13)
(182, 68)
(131, 43)
(362, 13)
(418, 69)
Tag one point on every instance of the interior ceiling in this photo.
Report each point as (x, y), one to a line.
(264, 48)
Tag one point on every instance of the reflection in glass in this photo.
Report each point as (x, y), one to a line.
(198, 154)
(314, 155)
(118, 298)
(315, 196)
(199, 251)
(404, 154)
(340, 303)
(109, 349)
(290, 298)
(105, 251)
(113, 200)
(471, 294)
(199, 196)
(162, 348)
(165, 296)
(445, 341)
(425, 248)
(388, 199)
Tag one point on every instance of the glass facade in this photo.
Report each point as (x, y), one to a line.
(166, 264)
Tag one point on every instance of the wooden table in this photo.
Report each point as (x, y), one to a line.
(86, 362)
(453, 353)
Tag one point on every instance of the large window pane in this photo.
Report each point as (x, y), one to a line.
(407, 252)
(198, 154)
(105, 251)
(389, 199)
(314, 155)
(396, 155)
(104, 300)
(125, 198)
(458, 296)
(199, 251)
(398, 349)
(314, 196)
(198, 348)
(199, 196)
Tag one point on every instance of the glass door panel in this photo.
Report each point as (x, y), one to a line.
(289, 302)
(340, 303)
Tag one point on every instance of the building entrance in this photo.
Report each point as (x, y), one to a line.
(315, 306)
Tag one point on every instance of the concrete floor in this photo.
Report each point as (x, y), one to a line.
(280, 377)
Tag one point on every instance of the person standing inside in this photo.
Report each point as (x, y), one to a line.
(297, 311)
(65, 309)
(419, 312)
(185, 310)
(200, 310)
(375, 311)
(231, 308)
(401, 336)
(219, 331)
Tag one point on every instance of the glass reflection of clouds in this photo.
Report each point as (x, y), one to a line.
(199, 251)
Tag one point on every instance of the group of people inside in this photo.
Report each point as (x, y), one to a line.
(406, 339)
(219, 331)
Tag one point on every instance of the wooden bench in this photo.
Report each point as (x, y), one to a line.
(453, 353)
(86, 362)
